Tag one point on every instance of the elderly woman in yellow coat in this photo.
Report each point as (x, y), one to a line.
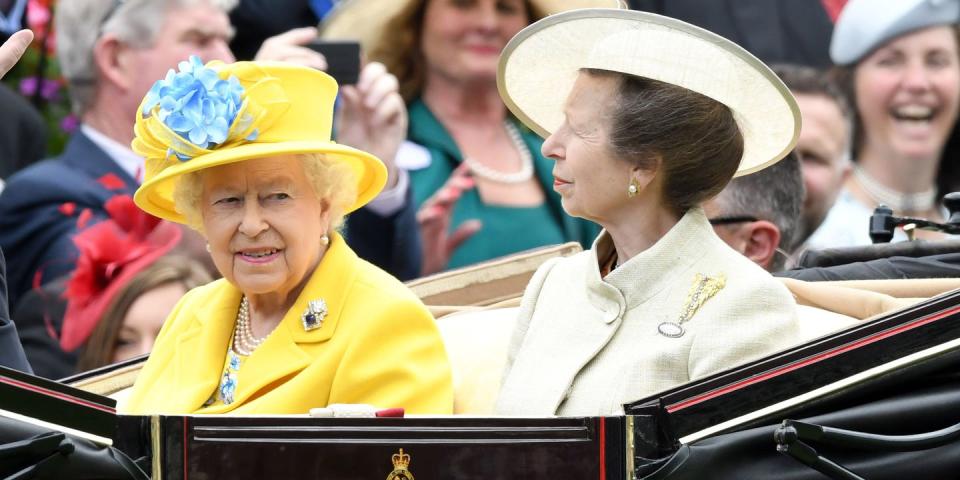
(242, 153)
(646, 118)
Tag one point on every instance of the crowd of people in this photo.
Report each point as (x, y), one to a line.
(687, 169)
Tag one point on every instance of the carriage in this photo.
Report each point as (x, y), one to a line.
(873, 399)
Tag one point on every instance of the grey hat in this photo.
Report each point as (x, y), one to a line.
(864, 25)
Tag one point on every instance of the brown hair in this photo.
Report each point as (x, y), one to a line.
(166, 270)
(842, 77)
(398, 47)
(806, 80)
(695, 139)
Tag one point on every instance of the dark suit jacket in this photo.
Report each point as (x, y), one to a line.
(39, 320)
(775, 31)
(935, 266)
(41, 205)
(391, 243)
(11, 353)
(23, 133)
(257, 20)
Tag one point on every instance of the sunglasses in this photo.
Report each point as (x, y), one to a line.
(731, 219)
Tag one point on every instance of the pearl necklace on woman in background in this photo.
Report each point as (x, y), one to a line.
(526, 161)
(919, 202)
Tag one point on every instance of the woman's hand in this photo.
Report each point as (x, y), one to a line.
(13, 49)
(373, 116)
(289, 47)
(434, 219)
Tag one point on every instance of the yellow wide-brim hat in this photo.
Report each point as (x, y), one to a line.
(366, 20)
(540, 64)
(267, 109)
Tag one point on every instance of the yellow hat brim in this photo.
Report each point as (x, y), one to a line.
(155, 196)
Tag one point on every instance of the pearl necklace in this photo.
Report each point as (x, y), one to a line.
(899, 202)
(244, 341)
(526, 161)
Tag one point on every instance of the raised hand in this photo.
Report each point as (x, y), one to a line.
(434, 218)
(373, 116)
(289, 47)
(13, 49)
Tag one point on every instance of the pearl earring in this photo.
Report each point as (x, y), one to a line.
(324, 240)
(633, 188)
(209, 250)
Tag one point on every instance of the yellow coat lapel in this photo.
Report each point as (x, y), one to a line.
(202, 347)
(281, 355)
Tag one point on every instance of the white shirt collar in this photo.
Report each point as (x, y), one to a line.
(129, 161)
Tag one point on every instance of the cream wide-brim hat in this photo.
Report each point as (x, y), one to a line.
(540, 64)
(366, 20)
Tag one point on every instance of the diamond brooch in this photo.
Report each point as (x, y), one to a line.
(316, 311)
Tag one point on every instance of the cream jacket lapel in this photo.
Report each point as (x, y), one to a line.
(569, 314)
(554, 350)
(585, 345)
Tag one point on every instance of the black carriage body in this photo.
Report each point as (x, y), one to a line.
(895, 375)
(213, 447)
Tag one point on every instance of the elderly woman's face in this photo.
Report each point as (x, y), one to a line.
(461, 40)
(907, 93)
(263, 221)
(591, 181)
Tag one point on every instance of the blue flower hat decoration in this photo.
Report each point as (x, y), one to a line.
(200, 110)
(202, 116)
(198, 105)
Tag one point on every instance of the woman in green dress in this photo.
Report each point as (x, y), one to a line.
(483, 188)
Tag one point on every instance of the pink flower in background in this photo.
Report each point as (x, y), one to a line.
(37, 75)
(48, 88)
(69, 123)
(40, 20)
(38, 16)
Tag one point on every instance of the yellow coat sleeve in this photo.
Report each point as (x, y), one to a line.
(396, 360)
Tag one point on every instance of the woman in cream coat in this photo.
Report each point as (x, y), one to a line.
(651, 118)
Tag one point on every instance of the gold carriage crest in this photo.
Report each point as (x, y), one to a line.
(400, 463)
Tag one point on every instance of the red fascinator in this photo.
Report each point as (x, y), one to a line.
(112, 252)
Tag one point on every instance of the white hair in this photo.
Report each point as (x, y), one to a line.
(333, 182)
(80, 23)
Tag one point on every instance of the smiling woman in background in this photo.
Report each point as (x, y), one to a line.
(898, 61)
(125, 284)
(242, 153)
(481, 184)
(132, 321)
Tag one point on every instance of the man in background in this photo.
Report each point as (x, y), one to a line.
(824, 143)
(758, 214)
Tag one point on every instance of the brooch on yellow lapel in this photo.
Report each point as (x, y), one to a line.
(312, 317)
(703, 289)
